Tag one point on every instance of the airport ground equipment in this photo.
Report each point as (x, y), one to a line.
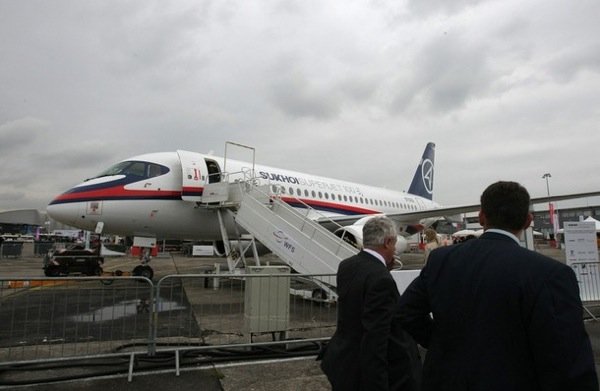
(266, 301)
(76, 259)
(72, 260)
(300, 242)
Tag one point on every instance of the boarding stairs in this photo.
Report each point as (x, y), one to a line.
(297, 240)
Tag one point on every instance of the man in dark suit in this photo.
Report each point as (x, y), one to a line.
(503, 317)
(369, 350)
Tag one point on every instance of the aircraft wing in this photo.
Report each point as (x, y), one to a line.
(415, 217)
(333, 223)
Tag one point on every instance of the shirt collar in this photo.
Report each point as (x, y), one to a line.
(376, 255)
(506, 233)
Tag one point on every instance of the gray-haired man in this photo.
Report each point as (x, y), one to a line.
(369, 350)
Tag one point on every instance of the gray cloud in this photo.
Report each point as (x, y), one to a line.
(18, 134)
(335, 88)
(427, 7)
(446, 73)
(573, 60)
(297, 97)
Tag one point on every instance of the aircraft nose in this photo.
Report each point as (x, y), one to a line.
(66, 213)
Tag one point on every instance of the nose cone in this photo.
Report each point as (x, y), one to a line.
(64, 212)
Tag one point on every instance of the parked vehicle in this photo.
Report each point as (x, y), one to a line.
(75, 259)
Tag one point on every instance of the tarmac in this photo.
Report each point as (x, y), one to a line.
(302, 373)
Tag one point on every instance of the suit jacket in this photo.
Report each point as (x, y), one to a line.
(369, 350)
(504, 318)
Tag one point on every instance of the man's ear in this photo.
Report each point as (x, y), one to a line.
(528, 220)
(482, 219)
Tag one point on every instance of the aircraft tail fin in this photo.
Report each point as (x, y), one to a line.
(422, 182)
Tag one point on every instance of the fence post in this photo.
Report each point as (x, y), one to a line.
(153, 320)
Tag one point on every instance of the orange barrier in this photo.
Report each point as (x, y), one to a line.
(35, 283)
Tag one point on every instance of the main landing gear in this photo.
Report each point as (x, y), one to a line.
(143, 270)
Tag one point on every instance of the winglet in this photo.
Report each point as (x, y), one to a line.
(422, 183)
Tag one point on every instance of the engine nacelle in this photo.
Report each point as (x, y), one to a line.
(353, 235)
(219, 248)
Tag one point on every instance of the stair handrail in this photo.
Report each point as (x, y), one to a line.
(278, 195)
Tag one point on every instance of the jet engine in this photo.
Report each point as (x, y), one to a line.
(219, 248)
(353, 235)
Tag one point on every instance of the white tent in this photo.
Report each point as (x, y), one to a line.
(590, 218)
(595, 221)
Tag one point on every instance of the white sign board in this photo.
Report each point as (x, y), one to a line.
(582, 255)
(140, 241)
(580, 241)
(202, 251)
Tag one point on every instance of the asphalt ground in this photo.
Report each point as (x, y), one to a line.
(301, 373)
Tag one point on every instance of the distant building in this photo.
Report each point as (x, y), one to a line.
(541, 219)
(27, 222)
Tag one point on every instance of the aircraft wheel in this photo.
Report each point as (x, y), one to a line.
(143, 271)
(52, 271)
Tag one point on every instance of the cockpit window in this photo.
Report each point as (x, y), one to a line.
(135, 168)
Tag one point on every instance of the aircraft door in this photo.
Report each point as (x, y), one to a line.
(194, 175)
(214, 171)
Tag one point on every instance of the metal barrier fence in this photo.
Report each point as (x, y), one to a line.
(588, 277)
(11, 249)
(67, 317)
(52, 319)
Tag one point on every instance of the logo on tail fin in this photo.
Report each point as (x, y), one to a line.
(427, 175)
(422, 183)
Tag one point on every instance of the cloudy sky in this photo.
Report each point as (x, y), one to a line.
(350, 89)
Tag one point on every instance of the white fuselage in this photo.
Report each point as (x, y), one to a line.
(167, 205)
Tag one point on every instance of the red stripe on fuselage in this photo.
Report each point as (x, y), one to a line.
(331, 206)
(115, 192)
(189, 190)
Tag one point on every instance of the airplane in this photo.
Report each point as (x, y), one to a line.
(160, 195)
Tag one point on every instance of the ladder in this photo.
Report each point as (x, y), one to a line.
(300, 242)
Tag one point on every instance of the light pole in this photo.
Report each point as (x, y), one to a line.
(546, 176)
